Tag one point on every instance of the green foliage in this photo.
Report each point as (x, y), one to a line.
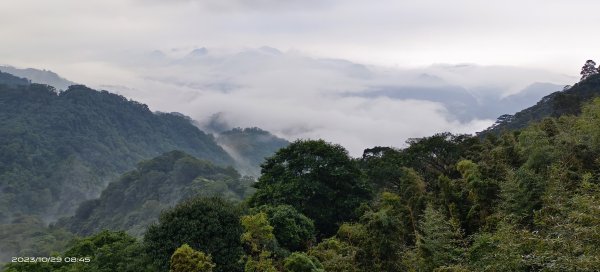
(508, 248)
(335, 255)
(440, 241)
(29, 236)
(381, 236)
(264, 263)
(293, 230)
(382, 166)
(566, 102)
(482, 192)
(104, 252)
(58, 149)
(135, 201)
(260, 243)
(437, 155)
(258, 234)
(300, 262)
(211, 225)
(317, 178)
(521, 193)
(186, 259)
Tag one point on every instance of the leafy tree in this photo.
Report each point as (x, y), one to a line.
(210, 225)
(568, 238)
(293, 230)
(383, 167)
(437, 155)
(259, 242)
(335, 255)
(521, 195)
(300, 262)
(482, 192)
(317, 178)
(507, 248)
(258, 234)
(440, 241)
(588, 69)
(381, 236)
(264, 263)
(186, 259)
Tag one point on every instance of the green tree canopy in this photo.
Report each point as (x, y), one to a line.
(317, 178)
(300, 262)
(211, 225)
(186, 259)
(105, 251)
(293, 230)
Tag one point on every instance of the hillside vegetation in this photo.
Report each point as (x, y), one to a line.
(566, 102)
(135, 201)
(58, 149)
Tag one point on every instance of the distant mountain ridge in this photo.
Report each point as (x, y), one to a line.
(463, 103)
(40, 76)
(11, 80)
(556, 104)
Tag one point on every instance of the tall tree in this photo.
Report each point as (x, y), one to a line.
(588, 69)
(381, 235)
(441, 241)
(317, 178)
(293, 230)
(300, 262)
(211, 225)
(186, 259)
(259, 241)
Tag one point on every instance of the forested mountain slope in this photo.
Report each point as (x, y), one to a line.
(249, 147)
(58, 149)
(134, 201)
(39, 76)
(11, 80)
(568, 101)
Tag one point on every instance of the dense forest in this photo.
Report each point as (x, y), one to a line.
(60, 148)
(134, 201)
(512, 200)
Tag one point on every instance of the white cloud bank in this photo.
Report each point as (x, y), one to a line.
(297, 96)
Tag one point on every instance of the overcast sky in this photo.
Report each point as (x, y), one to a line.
(92, 41)
(557, 34)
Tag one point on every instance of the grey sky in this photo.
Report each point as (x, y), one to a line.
(556, 34)
(109, 43)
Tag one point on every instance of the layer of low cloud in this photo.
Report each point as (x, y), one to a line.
(295, 95)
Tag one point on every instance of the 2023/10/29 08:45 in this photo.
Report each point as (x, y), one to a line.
(51, 259)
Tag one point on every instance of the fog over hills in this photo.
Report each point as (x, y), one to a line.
(295, 95)
(39, 76)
